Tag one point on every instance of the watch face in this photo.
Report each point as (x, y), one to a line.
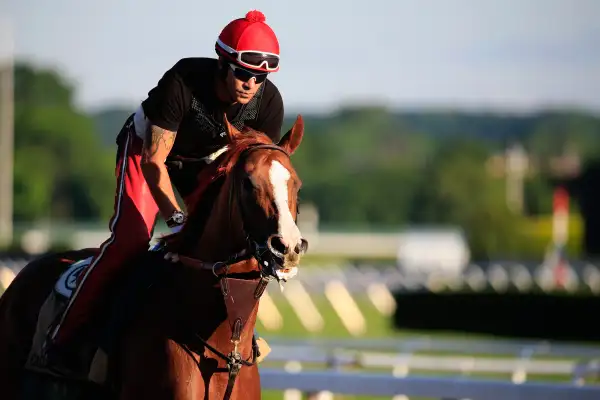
(178, 217)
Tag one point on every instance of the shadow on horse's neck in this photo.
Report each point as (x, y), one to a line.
(223, 233)
(192, 290)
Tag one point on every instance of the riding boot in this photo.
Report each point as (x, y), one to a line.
(65, 357)
(62, 358)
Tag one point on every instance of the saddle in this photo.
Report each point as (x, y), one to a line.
(93, 364)
(50, 312)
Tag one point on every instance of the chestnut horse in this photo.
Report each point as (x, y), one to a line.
(191, 333)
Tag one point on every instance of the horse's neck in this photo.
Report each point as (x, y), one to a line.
(223, 233)
(191, 305)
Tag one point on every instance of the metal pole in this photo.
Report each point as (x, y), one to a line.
(6, 133)
(516, 168)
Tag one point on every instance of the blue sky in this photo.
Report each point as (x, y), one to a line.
(513, 55)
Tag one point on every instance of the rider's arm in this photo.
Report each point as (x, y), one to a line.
(164, 108)
(270, 118)
(157, 146)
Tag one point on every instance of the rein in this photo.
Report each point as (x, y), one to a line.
(238, 312)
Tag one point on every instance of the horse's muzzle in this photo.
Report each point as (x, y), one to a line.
(279, 249)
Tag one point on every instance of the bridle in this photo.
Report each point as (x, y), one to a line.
(267, 257)
(262, 249)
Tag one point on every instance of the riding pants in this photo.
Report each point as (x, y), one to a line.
(131, 228)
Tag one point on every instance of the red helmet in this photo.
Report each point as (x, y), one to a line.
(250, 43)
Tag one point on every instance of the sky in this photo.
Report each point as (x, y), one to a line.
(507, 55)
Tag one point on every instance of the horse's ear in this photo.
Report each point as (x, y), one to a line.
(291, 140)
(231, 131)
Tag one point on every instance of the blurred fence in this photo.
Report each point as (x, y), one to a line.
(557, 371)
(322, 384)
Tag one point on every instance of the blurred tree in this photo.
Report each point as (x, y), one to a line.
(108, 122)
(556, 133)
(538, 194)
(61, 169)
(358, 168)
(457, 189)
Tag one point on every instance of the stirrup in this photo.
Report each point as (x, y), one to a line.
(49, 342)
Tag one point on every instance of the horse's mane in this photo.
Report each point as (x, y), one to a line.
(219, 168)
(226, 161)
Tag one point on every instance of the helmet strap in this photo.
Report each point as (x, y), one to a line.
(223, 69)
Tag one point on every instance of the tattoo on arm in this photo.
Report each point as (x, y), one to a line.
(158, 141)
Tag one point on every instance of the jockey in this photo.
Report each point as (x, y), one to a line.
(181, 119)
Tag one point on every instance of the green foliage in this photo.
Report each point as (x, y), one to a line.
(61, 168)
(374, 168)
(557, 132)
(108, 123)
(457, 190)
(538, 195)
(41, 87)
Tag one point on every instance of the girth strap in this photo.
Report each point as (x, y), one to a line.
(234, 369)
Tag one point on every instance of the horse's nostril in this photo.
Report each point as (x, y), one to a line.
(303, 246)
(278, 245)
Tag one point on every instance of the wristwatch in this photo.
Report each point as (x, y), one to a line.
(177, 218)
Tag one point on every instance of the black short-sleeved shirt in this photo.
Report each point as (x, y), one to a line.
(185, 101)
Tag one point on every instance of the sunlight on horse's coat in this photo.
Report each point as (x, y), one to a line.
(213, 156)
(6, 277)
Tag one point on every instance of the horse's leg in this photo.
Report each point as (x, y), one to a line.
(19, 307)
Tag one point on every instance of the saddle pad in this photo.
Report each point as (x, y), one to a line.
(67, 282)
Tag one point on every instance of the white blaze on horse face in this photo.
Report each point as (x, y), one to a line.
(288, 230)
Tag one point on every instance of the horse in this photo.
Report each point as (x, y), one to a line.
(186, 311)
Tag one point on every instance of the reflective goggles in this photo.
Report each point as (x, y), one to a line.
(244, 75)
(252, 58)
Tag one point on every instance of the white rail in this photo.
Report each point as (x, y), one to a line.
(459, 364)
(413, 344)
(351, 383)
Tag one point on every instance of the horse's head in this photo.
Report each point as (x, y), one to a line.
(257, 204)
(268, 195)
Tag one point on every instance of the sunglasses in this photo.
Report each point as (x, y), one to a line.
(244, 75)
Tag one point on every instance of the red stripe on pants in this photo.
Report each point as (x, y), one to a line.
(131, 229)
